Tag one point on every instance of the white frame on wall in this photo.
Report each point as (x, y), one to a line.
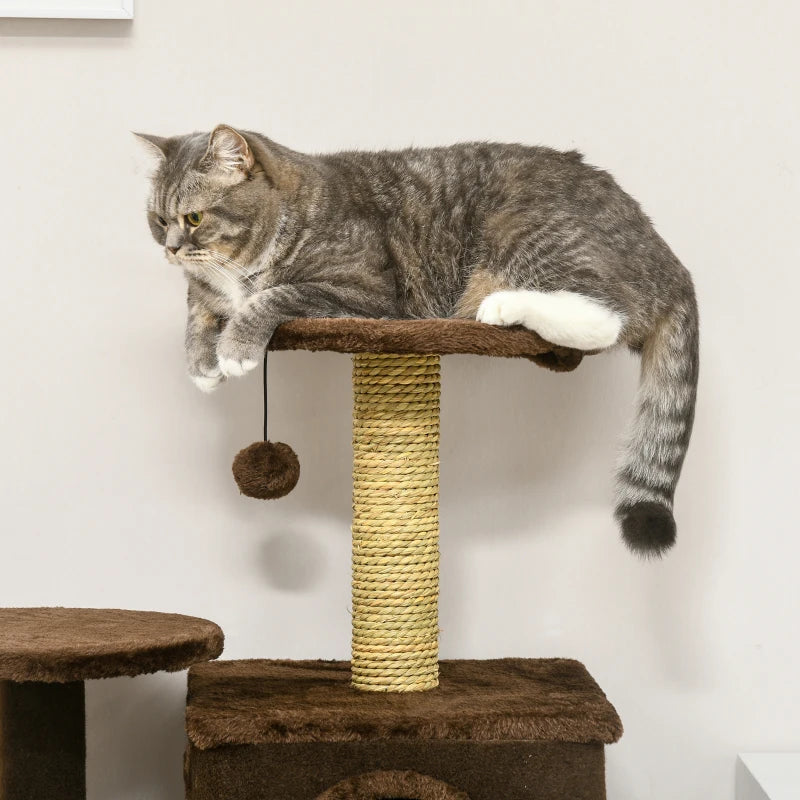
(71, 9)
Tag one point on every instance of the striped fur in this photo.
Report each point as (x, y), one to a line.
(660, 434)
(507, 233)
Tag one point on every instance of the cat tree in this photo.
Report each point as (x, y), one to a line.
(395, 723)
(46, 655)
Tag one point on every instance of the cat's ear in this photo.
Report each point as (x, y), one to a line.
(229, 153)
(157, 145)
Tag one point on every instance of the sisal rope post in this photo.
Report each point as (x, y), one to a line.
(395, 644)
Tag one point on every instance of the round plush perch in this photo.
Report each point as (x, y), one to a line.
(76, 644)
(423, 336)
(266, 470)
(45, 655)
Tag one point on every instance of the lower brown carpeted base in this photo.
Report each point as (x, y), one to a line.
(432, 770)
(42, 741)
(509, 729)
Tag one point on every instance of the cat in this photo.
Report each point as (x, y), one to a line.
(502, 233)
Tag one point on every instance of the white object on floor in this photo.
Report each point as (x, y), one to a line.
(768, 776)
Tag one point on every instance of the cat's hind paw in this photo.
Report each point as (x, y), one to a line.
(565, 318)
(503, 308)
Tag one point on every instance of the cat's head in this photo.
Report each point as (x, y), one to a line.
(214, 205)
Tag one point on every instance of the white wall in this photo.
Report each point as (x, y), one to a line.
(116, 486)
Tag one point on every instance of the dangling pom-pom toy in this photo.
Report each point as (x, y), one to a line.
(266, 470)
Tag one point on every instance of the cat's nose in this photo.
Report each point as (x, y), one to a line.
(172, 249)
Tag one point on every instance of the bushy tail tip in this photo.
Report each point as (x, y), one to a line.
(648, 528)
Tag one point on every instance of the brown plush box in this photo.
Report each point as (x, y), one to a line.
(508, 729)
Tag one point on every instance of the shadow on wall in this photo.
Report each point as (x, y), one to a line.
(291, 561)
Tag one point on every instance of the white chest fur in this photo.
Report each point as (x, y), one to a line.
(231, 288)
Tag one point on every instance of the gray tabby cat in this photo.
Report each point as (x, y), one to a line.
(503, 233)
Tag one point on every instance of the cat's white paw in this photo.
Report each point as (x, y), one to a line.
(205, 375)
(503, 308)
(207, 383)
(235, 367)
(236, 356)
(565, 318)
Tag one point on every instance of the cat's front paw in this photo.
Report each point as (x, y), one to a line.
(205, 376)
(207, 383)
(235, 358)
(236, 367)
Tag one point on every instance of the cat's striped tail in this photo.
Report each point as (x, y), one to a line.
(660, 435)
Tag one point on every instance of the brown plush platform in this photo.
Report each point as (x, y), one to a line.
(254, 702)
(515, 729)
(442, 336)
(45, 654)
(74, 644)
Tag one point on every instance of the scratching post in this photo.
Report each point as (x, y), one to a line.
(395, 723)
(395, 522)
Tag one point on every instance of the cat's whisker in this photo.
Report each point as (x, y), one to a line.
(230, 264)
(239, 268)
(217, 270)
(229, 261)
(217, 267)
(216, 262)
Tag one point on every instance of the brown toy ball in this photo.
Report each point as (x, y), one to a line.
(266, 470)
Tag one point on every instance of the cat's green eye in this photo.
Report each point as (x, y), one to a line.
(195, 218)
